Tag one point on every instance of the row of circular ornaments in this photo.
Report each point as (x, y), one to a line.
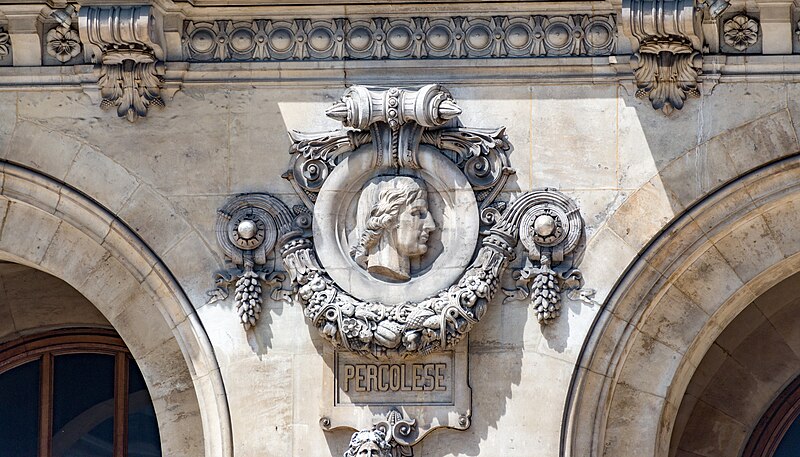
(403, 38)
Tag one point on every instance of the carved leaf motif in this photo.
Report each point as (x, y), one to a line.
(131, 87)
(667, 77)
(4, 43)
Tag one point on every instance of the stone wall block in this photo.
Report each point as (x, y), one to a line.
(172, 309)
(737, 393)
(153, 218)
(27, 232)
(109, 281)
(146, 332)
(602, 361)
(743, 325)
(200, 211)
(768, 357)
(72, 208)
(645, 145)
(72, 254)
(650, 365)
(607, 256)
(164, 376)
(258, 149)
(38, 301)
(598, 206)
(101, 178)
(627, 221)
(782, 221)
(224, 332)
(675, 320)
(35, 190)
(725, 108)
(44, 150)
(711, 432)
(260, 396)
(633, 296)
(759, 142)
(184, 436)
(134, 255)
(8, 120)
(709, 281)
(581, 436)
(585, 156)
(563, 338)
(306, 398)
(194, 353)
(191, 261)
(784, 323)
(684, 238)
(715, 216)
(635, 410)
(706, 371)
(512, 108)
(750, 248)
(693, 175)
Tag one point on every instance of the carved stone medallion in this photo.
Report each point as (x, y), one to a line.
(408, 250)
(393, 238)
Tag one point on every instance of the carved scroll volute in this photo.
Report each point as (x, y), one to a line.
(126, 42)
(668, 38)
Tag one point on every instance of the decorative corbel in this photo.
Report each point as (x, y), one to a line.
(669, 37)
(126, 43)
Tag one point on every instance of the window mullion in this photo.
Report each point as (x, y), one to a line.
(46, 406)
(121, 405)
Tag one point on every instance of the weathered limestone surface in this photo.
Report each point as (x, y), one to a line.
(630, 169)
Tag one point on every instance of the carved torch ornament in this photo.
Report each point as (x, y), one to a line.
(395, 122)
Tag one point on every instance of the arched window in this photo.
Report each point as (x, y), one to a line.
(778, 432)
(74, 393)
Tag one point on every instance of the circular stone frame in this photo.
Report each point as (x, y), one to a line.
(458, 226)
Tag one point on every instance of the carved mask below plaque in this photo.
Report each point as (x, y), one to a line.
(408, 249)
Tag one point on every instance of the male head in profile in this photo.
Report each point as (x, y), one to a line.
(393, 226)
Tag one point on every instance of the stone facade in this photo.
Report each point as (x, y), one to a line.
(137, 139)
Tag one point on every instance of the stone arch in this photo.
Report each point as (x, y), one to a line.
(671, 305)
(54, 228)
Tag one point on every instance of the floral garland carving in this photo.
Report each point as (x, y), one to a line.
(546, 222)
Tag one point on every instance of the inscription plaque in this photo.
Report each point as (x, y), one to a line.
(427, 381)
(432, 389)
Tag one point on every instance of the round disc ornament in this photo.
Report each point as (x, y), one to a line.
(553, 223)
(247, 230)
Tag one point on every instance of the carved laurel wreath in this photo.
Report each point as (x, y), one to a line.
(396, 121)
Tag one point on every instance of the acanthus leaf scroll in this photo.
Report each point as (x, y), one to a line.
(401, 139)
(126, 42)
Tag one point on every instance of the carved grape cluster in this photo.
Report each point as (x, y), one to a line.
(547, 304)
(248, 298)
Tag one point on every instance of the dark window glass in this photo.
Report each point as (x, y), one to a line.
(19, 411)
(790, 444)
(143, 438)
(83, 405)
